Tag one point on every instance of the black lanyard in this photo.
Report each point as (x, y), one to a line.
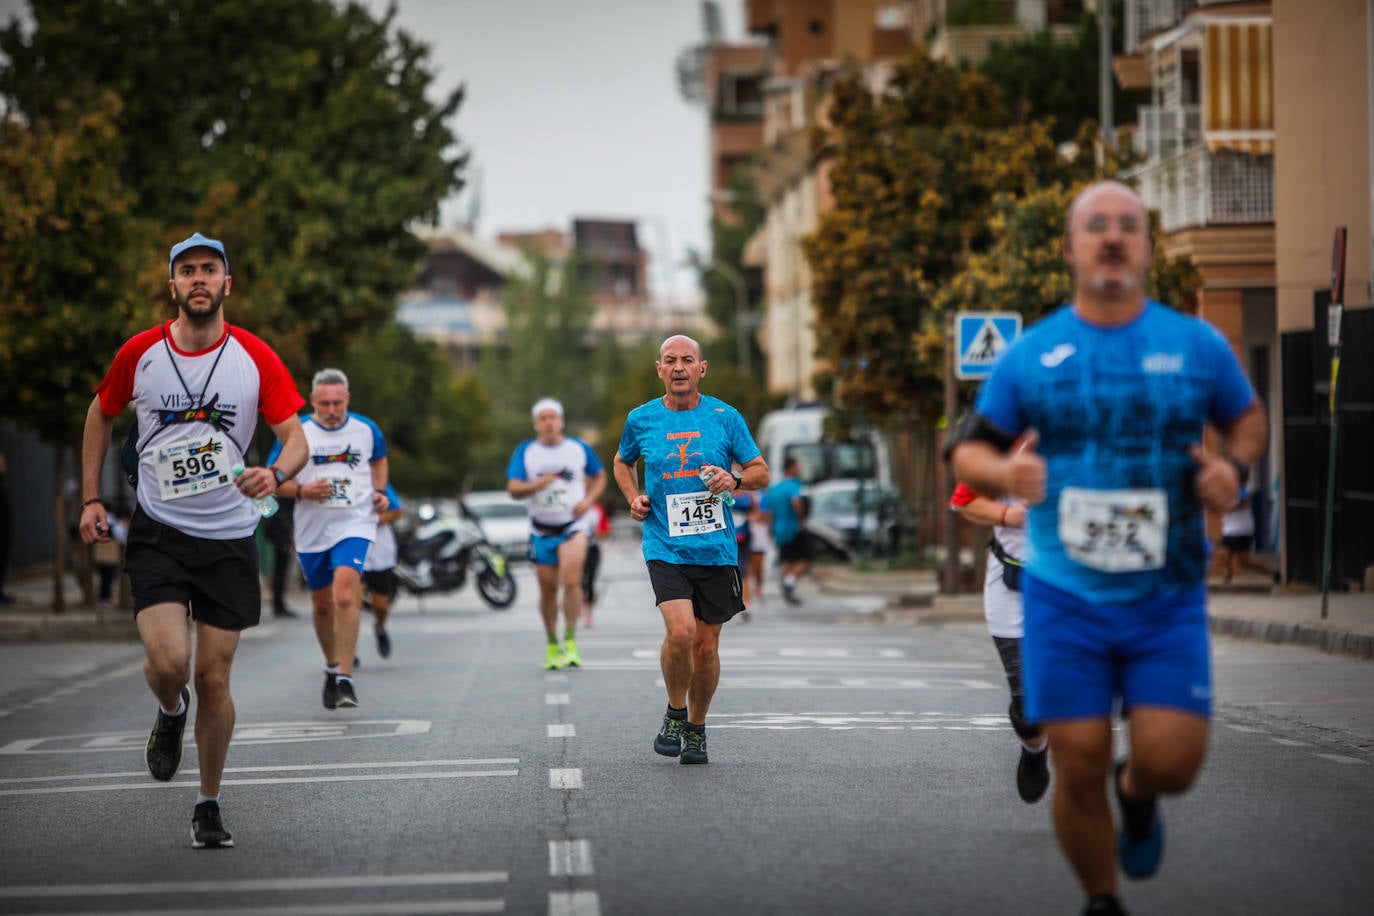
(192, 400)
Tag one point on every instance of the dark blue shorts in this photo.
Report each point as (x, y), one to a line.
(1081, 657)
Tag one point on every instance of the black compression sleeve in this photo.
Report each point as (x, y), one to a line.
(973, 426)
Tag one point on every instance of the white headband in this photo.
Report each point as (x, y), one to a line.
(544, 404)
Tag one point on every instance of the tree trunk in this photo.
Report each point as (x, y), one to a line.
(59, 601)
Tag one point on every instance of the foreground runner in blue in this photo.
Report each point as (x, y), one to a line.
(688, 535)
(1096, 417)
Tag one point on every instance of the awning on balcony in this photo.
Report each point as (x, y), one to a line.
(1238, 87)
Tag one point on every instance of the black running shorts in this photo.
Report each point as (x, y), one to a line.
(800, 549)
(216, 580)
(713, 590)
(380, 582)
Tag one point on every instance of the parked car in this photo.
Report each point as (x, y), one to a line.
(503, 520)
(836, 522)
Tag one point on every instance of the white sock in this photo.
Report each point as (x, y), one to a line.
(1044, 745)
(331, 669)
(179, 711)
(346, 677)
(206, 798)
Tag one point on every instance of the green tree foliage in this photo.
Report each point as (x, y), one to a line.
(916, 170)
(547, 354)
(299, 131)
(68, 283)
(430, 413)
(1024, 270)
(729, 285)
(1041, 78)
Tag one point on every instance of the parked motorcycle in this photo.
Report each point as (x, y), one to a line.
(439, 553)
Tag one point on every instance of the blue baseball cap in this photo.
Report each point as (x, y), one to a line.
(197, 241)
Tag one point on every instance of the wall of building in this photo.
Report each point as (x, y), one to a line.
(1322, 157)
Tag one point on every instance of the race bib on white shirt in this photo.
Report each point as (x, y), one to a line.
(556, 497)
(343, 493)
(191, 465)
(1114, 530)
(694, 513)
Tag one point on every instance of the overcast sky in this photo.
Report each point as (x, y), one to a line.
(573, 109)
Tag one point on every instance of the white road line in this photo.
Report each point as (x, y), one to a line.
(249, 733)
(565, 779)
(562, 731)
(461, 905)
(574, 903)
(557, 699)
(1250, 729)
(1341, 758)
(282, 768)
(253, 885)
(570, 857)
(285, 781)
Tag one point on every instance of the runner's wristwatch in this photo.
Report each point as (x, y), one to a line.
(277, 473)
(739, 481)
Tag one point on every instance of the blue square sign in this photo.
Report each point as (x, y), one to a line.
(981, 337)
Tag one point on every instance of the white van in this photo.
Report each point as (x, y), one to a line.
(798, 432)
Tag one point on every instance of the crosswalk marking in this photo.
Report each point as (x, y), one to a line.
(557, 699)
(574, 903)
(565, 779)
(565, 730)
(570, 857)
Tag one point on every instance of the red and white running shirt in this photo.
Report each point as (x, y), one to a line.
(196, 416)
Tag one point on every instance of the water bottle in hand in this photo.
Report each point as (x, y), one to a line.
(725, 496)
(267, 505)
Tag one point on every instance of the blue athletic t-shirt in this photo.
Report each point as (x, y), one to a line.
(674, 445)
(1116, 410)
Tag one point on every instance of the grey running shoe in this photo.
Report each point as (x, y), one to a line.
(1033, 774)
(331, 690)
(694, 745)
(668, 742)
(163, 754)
(347, 698)
(207, 828)
(383, 644)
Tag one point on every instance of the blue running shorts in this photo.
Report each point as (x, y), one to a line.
(544, 547)
(319, 567)
(1079, 657)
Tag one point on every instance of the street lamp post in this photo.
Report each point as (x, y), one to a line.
(742, 321)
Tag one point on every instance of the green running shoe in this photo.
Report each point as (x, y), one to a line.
(570, 655)
(553, 658)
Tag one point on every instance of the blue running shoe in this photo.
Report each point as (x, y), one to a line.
(1141, 845)
(694, 745)
(668, 741)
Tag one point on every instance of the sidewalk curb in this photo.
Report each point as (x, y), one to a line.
(1327, 639)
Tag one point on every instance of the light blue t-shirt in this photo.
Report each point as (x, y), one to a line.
(779, 502)
(1116, 410)
(674, 445)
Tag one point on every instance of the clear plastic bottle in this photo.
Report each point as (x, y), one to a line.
(267, 505)
(726, 497)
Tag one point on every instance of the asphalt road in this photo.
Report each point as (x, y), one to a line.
(855, 768)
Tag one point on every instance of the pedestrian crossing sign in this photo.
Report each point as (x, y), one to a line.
(980, 338)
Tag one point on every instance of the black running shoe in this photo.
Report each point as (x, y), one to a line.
(163, 755)
(1033, 774)
(207, 828)
(668, 742)
(1141, 844)
(694, 746)
(347, 698)
(1104, 905)
(383, 644)
(331, 690)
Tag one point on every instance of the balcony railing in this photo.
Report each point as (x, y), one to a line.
(1146, 17)
(1199, 188)
(1162, 133)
